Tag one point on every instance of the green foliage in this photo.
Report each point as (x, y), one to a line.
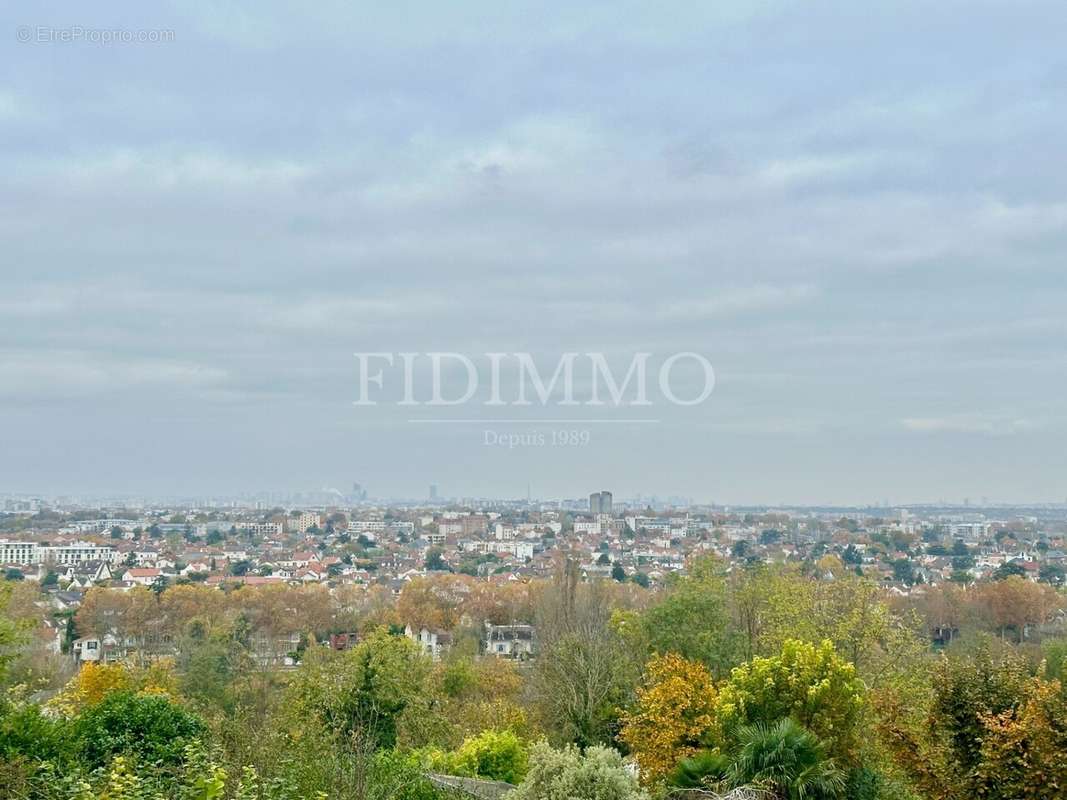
(27, 733)
(364, 690)
(865, 783)
(567, 774)
(208, 669)
(708, 767)
(693, 620)
(986, 680)
(1008, 569)
(435, 560)
(786, 759)
(807, 682)
(147, 726)
(494, 755)
(1054, 652)
(12, 633)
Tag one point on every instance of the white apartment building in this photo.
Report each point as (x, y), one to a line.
(450, 528)
(18, 552)
(586, 526)
(63, 554)
(261, 528)
(433, 537)
(521, 550)
(102, 525)
(518, 549)
(358, 526)
(306, 521)
(76, 552)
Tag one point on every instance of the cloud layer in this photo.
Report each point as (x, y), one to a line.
(857, 214)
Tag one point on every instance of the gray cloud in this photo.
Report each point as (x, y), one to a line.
(857, 214)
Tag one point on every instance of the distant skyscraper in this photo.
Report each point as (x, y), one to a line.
(600, 503)
(433, 491)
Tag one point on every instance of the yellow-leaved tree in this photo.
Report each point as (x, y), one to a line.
(94, 682)
(674, 709)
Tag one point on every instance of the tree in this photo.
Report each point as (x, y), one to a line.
(435, 560)
(904, 571)
(582, 674)
(770, 536)
(1014, 604)
(810, 683)
(971, 685)
(12, 632)
(693, 619)
(1022, 750)
(1053, 574)
(1007, 569)
(674, 709)
(90, 686)
(568, 774)
(618, 573)
(362, 692)
(159, 585)
(208, 668)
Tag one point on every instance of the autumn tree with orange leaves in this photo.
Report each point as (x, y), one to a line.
(674, 708)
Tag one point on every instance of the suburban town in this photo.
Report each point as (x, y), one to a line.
(369, 552)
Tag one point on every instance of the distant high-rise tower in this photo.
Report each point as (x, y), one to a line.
(433, 491)
(600, 503)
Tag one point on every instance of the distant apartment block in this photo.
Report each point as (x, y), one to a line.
(73, 553)
(102, 525)
(261, 528)
(305, 521)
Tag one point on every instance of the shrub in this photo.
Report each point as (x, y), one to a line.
(495, 755)
(147, 726)
(26, 732)
(567, 774)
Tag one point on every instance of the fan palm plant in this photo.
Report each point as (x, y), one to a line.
(786, 759)
(706, 768)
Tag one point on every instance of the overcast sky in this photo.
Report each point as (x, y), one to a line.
(856, 211)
